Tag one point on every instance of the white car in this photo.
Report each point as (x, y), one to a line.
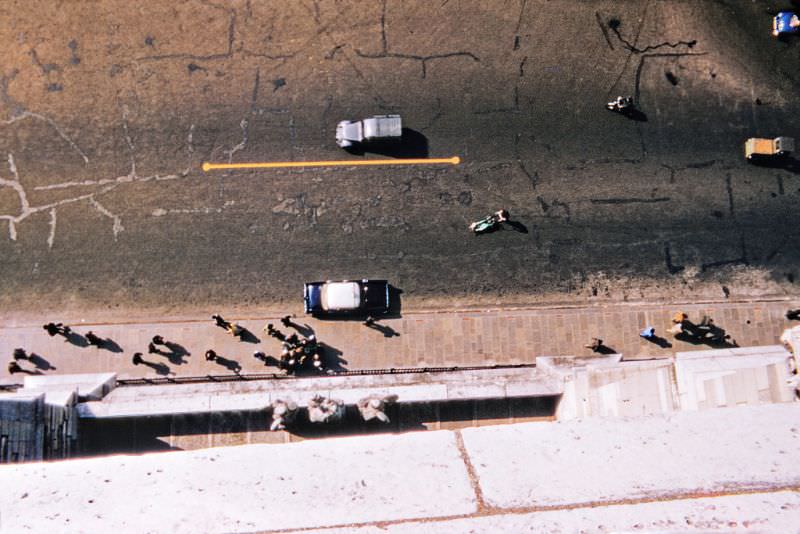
(379, 128)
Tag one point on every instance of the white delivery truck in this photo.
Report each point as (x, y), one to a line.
(379, 128)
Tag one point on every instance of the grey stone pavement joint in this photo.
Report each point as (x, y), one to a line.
(457, 338)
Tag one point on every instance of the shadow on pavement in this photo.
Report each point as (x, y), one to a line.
(387, 331)
(40, 363)
(784, 163)
(331, 358)
(412, 145)
(230, 365)
(110, 345)
(76, 339)
(247, 336)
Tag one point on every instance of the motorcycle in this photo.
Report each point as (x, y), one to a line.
(622, 104)
(489, 223)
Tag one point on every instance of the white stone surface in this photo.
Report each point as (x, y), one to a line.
(605, 459)
(248, 488)
(763, 513)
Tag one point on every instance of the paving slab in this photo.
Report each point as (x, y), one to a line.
(609, 459)
(760, 512)
(247, 488)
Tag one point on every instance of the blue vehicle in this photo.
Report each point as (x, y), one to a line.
(349, 297)
(785, 23)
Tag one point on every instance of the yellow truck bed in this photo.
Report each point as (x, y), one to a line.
(756, 145)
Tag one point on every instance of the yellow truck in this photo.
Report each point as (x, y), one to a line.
(758, 147)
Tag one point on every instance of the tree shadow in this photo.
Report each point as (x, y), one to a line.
(76, 339)
(40, 363)
(230, 365)
(412, 144)
(331, 358)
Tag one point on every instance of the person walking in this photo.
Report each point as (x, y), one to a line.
(151, 349)
(211, 355)
(137, 358)
(286, 321)
(93, 339)
(158, 340)
(52, 329)
(596, 345)
(648, 333)
(369, 322)
(20, 354)
(220, 322)
(13, 367)
(793, 315)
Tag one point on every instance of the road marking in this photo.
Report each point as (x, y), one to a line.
(455, 160)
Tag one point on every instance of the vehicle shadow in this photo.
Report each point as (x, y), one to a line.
(784, 163)
(412, 144)
(395, 303)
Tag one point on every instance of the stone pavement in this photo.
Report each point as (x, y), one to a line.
(417, 339)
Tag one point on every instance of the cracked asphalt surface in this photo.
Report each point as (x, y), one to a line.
(108, 110)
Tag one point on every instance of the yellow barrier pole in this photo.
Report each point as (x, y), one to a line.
(455, 160)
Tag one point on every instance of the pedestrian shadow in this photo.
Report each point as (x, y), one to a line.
(269, 361)
(29, 371)
(247, 336)
(331, 358)
(177, 349)
(40, 363)
(635, 114)
(159, 367)
(605, 350)
(174, 357)
(723, 343)
(76, 339)
(230, 365)
(304, 329)
(517, 226)
(660, 341)
(387, 331)
(110, 345)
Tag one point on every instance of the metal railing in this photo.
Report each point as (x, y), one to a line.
(165, 380)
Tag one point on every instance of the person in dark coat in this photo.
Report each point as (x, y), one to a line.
(20, 354)
(93, 339)
(137, 358)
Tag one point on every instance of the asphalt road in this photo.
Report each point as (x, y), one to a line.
(108, 110)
